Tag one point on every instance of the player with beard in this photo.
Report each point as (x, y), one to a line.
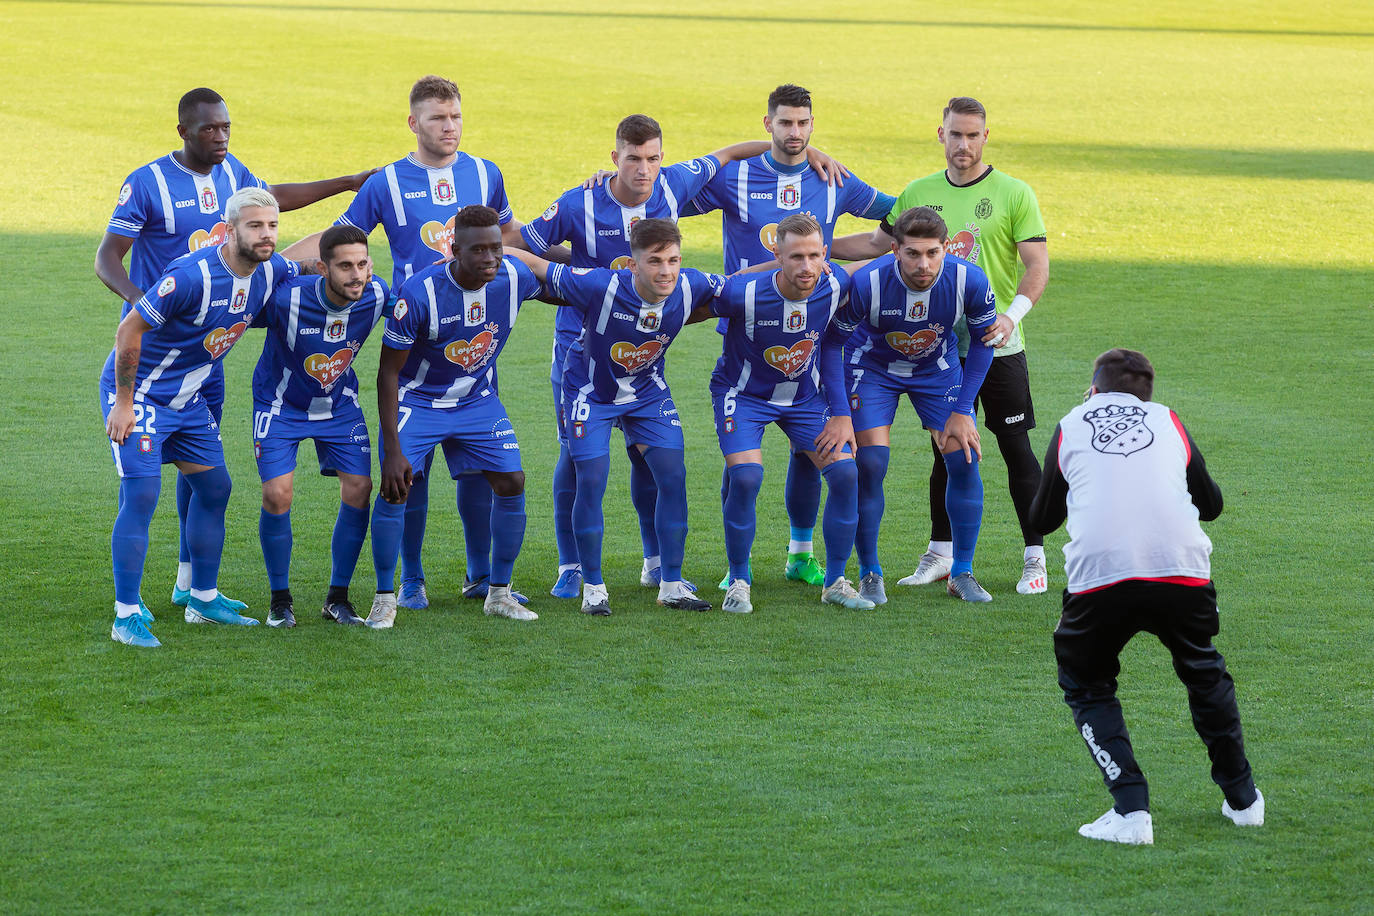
(174, 206)
(304, 387)
(165, 349)
(436, 388)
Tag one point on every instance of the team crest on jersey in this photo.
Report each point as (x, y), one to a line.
(1119, 429)
(917, 311)
(476, 312)
(218, 341)
(789, 198)
(633, 358)
(257, 449)
(209, 202)
(984, 209)
(796, 320)
(649, 321)
(336, 330)
(240, 301)
(579, 429)
(145, 444)
(327, 368)
(166, 286)
(729, 424)
(471, 354)
(550, 213)
(792, 361)
(914, 346)
(854, 401)
(202, 238)
(443, 191)
(398, 311)
(125, 193)
(964, 244)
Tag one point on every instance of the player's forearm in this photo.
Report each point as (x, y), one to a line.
(976, 368)
(1035, 255)
(860, 246)
(1050, 506)
(304, 193)
(1202, 489)
(307, 249)
(737, 151)
(831, 361)
(109, 267)
(128, 350)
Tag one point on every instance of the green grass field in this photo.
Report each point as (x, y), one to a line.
(1206, 173)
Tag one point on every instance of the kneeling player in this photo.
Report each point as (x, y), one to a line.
(435, 387)
(613, 376)
(304, 387)
(907, 304)
(768, 373)
(165, 349)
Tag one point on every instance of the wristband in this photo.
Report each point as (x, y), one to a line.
(1018, 308)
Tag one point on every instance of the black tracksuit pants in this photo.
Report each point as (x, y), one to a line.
(1095, 627)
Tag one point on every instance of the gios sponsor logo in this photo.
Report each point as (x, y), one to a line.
(632, 358)
(473, 353)
(218, 341)
(327, 368)
(1119, 429)
(792, 361)
(202, 238)
(1104, 759)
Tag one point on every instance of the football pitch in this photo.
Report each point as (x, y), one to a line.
(1206, 171)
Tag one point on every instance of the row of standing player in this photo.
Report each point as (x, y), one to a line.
(766, 182)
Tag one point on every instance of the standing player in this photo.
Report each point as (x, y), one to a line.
(753, 196)
(906, 304)
(995, 220)
(770, 372)
(436, 386)
(596, 221)
(1133, 485)
(165, 349)
(613, 376)
(304, 387)
(175, 206)
(416, 200)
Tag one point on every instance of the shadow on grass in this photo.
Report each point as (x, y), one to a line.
(743, 18)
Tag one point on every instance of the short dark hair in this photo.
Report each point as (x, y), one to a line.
(919, 223)
(962, 104)
(476, 217)
(636, 129)
(788, 94)
(434, 87)
(190, 101)
(653, 234)
(335, 236)
(1124, 370)
(799, 224)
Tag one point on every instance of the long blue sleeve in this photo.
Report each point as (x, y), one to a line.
(975, 370)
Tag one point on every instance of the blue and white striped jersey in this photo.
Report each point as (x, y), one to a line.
(169, 210)
(305, 371)
(596, 226)
(618, 357)
(416, 205)
(771, 342)
(454, 334)
(754, 194)
(198, 310)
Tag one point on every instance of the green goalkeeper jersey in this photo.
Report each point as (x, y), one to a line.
(985, 219)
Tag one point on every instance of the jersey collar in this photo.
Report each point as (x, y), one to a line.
(985, 174)
(781, 169)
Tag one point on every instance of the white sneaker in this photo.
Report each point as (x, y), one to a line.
(1134, 829)
(500, 603)
(737, 598)
(931, 568)
(842, 593)
(1034, 579)
(383, 613)
(1252, 816)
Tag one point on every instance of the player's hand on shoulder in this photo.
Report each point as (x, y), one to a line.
(355, 182)
(826, 166)
(598, 179)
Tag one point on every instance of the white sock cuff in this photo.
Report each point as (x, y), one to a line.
(126, 610)
(204, 594)
(943, 548)
(183, 575)
(1038, 552)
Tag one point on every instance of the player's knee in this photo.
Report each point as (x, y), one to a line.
(139, 495)
(841, 474)
(872, 462)
(276, 495)
(747, 477)
(356, 490)
(211, 487)
(509, 483)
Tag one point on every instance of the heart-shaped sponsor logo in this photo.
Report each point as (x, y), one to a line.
(469, 353)
(961, 244)
(202, 239)
(790, 362)
(326, 369)
(912, 346)
(218, 341)
(633, 358)
(438, 236)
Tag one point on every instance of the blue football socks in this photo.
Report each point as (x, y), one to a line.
(350, 530)
(129, 542)
(745, 480)
(587, 519)
(872, 462)
(274, 532)
(841, 516)
(964, 503)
